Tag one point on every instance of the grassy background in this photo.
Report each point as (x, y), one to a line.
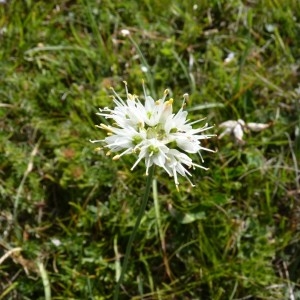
(71, 210)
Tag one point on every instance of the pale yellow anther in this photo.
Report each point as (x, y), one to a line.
(166, 91)
(105, 127)
(185, 99)
(141, 125)
(98, 149)
(125, 82)
(157, 102)
(131, 97)
(116, 157)
(108, 153)
(170, 101)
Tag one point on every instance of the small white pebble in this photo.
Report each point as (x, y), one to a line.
(125, 32)
(229, 58)
(56, 242)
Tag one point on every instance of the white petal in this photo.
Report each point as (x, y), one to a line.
(238, 132)
(228, 124)
(257, 126)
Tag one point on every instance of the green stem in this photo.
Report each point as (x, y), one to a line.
(134, 231)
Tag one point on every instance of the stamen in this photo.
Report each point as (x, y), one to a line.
(96, 141)
(166, 92)
(201, 156)
(119, 98)
(175, 176)
(197, 121)
(185, 99)
(105, 127)
(135, 164)
(144, 89)
(170, 101)
(123, 153)
(126, 89)
(190, 181)
(207, 149)
(199, 166)
(148, 166)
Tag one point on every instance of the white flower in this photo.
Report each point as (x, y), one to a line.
(175, 165)
(153, 133)
(237, 129)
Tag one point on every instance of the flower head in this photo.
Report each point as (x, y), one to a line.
(153, 133)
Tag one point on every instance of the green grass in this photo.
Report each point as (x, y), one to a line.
(234, 236)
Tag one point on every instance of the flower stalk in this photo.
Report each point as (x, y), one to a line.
(154, 134)
(134, 231)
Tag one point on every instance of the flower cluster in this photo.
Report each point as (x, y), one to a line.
(154, 133)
